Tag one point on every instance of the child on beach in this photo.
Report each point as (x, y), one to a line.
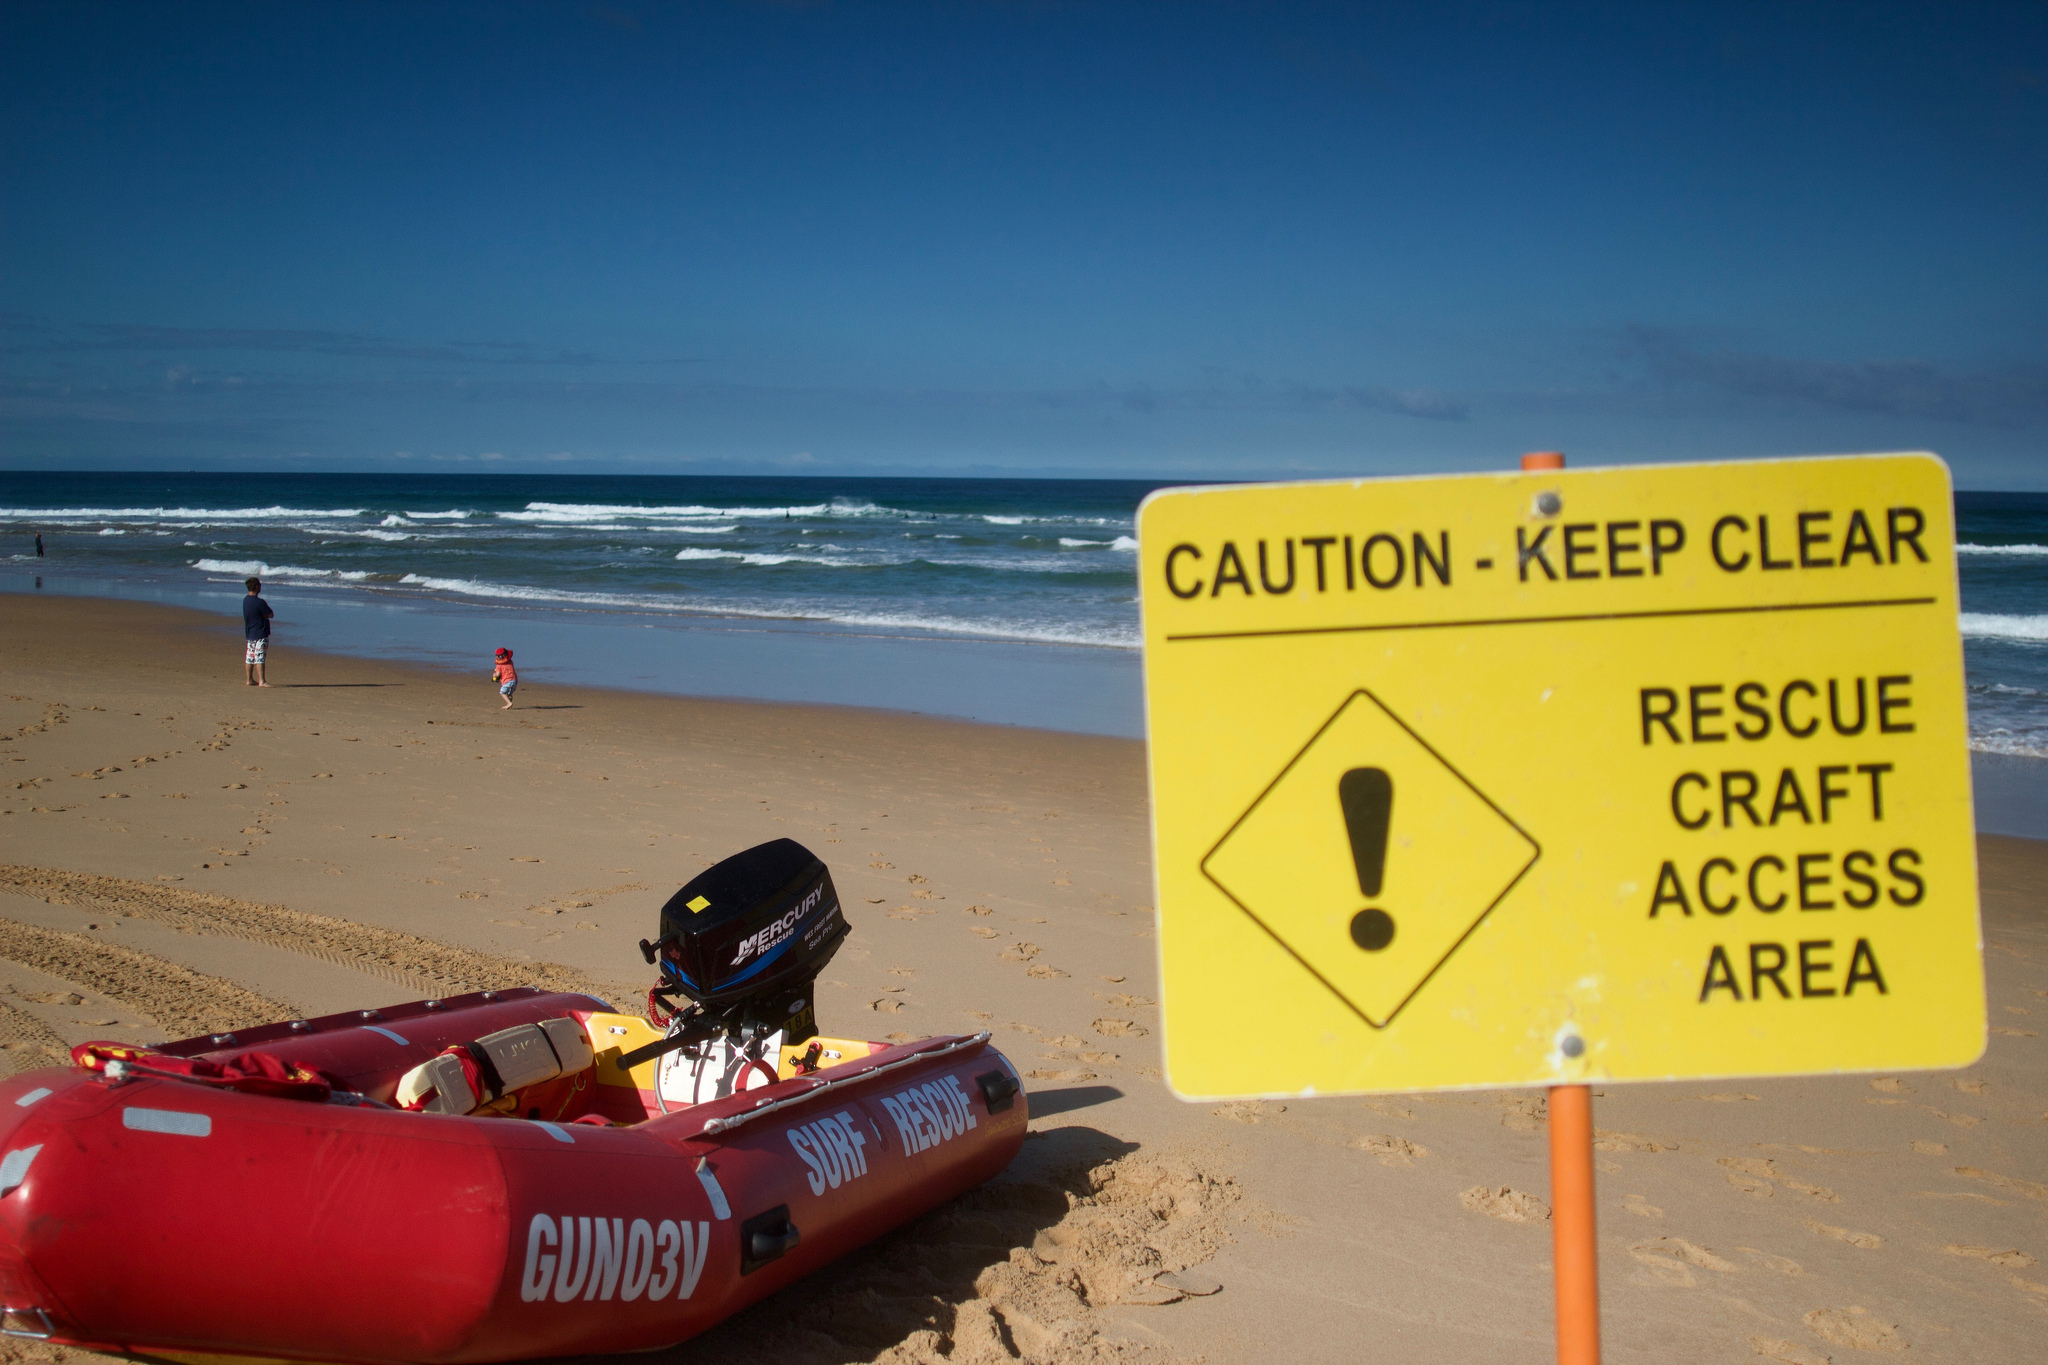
(256, 617)
(505, 677)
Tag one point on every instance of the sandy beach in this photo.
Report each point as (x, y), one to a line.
(181, 853)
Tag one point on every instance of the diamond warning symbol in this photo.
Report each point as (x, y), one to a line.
(1370, 858)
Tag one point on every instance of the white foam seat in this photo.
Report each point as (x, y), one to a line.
(523, 1055)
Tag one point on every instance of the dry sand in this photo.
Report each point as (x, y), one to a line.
(183, 853)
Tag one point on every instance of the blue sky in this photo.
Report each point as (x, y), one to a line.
(1171, 240)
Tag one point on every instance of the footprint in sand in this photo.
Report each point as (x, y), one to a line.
(1869, 1241)
(1041, 972)
(1761, 1168)
(1606, 1141)
(2026, 1188)
(1891, 1085)
(1391, 1150)
(1020, 952)
(1670, 1260)
(1505, 1203)
(1689, 1252)
(1786, 1352)
(984, 933)
(903, 971)
(2009, 1258)
(979, 910)
(1641, 1207)
(887, 1005)
(1119, 1028)
(1857, 1328)
(1784, 1265)
(1248, 1111)
(978, 1014)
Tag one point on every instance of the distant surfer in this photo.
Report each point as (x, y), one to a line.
(39, 545)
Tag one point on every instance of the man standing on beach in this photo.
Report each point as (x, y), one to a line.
(256, 614)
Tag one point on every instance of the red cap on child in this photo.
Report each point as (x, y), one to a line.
(504, 653)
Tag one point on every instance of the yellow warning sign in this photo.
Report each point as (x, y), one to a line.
(1560, 776)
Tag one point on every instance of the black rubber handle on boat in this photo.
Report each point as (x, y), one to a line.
(655, 1049)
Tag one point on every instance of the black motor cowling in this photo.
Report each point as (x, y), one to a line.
(748, 936)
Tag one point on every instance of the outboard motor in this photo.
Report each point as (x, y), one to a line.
(743, 943)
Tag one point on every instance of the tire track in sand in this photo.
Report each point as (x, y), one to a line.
(404, 959)
(181, 1000)
(27, 1043)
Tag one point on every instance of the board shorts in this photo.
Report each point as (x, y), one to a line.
(254, 653)
(508, 688)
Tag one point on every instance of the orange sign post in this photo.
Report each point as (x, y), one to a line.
(1574, 1252)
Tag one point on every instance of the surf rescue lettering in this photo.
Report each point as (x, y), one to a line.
(930, 1113)
(597, 1258)
(831, 1147)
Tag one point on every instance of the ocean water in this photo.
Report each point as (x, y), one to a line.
(1009, 600)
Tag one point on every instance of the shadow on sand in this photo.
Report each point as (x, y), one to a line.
(912, 1278)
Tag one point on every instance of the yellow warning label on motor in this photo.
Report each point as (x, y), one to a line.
(1557, 776)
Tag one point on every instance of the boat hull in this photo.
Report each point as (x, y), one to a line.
(159, 1216)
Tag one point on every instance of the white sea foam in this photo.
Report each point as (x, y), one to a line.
(573, 513)
(1074, 544)
(1109, 637)
(470, 587)
(1125, 543)
(2002, 549)
(75, 514)
(2007, 742)
(1004, 521)
(380, 535)
(766, 560)
(456, 515)
(251, 568)
(110, 531)
(1984, 626)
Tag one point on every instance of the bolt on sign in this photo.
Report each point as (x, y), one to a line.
(1559, 776)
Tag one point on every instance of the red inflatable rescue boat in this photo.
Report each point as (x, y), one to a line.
(496, 1176)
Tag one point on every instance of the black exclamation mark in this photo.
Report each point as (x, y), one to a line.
(1367, 796)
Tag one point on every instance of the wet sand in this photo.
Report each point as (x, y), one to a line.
(183, 853)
